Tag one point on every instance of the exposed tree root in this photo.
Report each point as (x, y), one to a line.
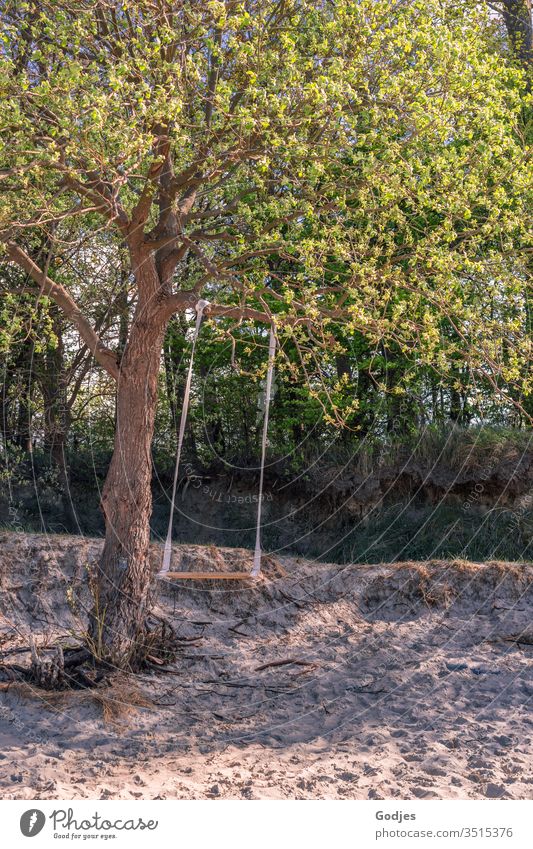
(160, 643)
(57, 667)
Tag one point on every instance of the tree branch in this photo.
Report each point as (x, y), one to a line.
(105, 356)
(141, 211)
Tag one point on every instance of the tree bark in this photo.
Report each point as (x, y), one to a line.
(122, 588)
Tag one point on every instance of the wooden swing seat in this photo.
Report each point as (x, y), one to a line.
(207, 576)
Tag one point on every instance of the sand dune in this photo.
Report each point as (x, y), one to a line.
(390, 681)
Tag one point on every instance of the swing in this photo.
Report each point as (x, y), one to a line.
(167, 551)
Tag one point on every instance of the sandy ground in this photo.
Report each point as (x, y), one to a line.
(404, 681)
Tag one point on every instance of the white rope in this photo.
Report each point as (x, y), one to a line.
(167, 552)
(256, 569)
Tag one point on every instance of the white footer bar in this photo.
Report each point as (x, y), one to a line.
(274, 824)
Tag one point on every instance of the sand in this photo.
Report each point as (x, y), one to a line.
(410, 681)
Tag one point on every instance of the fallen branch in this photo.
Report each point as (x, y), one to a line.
(284, 662)
(519, 639)
(235, 628)
(297, 602)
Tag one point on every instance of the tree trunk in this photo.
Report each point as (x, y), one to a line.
(23, 431)
(57, 418)
(456, 412)
(24, 373)
(123, 583)
(517, 18)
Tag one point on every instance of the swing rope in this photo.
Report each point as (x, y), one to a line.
(256, 569)
(167, 552)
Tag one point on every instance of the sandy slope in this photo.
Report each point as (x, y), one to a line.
(405, 686)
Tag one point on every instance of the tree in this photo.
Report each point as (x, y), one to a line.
(369, 147)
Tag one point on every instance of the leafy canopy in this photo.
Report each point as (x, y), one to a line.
(357, 165)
